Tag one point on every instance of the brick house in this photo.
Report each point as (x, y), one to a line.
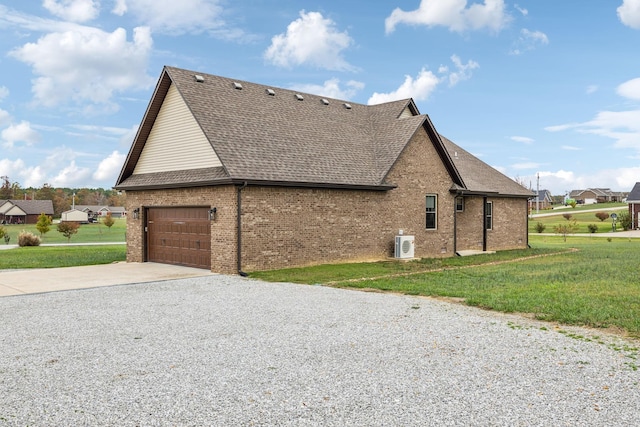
(542, 200)
(24, 211)
(633, 200)
(234, 176)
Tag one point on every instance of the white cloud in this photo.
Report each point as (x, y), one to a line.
(22, 132)
(562, 181)
(529, 40)
(570, 148)
(310, 39)
(426, 82)
(87, 65)
(73, 10)
(453, 14)
(463, 71)
(18, 171)
(331, 89)
(592, 89)
(629, 13)
(522, 10)
(525, 165)
(621, 126)
(630, 89)
(120, 8)
(5, 117)
(523, 139)
(4, 92)
(419, 88)
(71, 176)
(175, 17)
(109, 168)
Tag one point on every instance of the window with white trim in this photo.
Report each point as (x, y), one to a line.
(488, 215)
(432, 212)
(459, 204)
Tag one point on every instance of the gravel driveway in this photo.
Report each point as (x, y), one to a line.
(228, 351)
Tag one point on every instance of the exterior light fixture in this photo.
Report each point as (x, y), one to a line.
(136, 213)
(212, 214)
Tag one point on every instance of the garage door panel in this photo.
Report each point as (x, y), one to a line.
(179, 236)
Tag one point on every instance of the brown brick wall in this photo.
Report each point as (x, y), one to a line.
(286, 227)
(223, 229)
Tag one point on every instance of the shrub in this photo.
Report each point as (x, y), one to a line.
(593, 228)
(108, 220)
(566, 228)
(44, 224)
(567, 216)
(28, 239)
(625, 220)
(602, 215)
(540, 227)
(68, 229)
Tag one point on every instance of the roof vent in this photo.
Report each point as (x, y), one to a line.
(347, 106)
(237, 85)
(271, 92)
(198, 78)
(299, 97)
(325, 101)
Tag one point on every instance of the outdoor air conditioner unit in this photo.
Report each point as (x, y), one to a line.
(404, 247)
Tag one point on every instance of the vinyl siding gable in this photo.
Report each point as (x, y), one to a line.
(176, 141)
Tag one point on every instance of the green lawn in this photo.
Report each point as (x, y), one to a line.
(594, 286)
(87, 233)
(60, 256)
(583, 219)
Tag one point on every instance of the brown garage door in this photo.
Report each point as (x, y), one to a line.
(180, 236)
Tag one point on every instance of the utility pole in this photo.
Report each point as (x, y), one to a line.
(538, 193)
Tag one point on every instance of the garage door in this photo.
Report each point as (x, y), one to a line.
(180, 236)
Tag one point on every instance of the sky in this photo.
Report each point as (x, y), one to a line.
(545, 91)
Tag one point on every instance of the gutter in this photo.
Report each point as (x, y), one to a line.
(239, 229)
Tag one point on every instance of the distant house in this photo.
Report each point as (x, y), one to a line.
(74, 215)
(230, 175)
(24, 211)
(596, 195)
(633, 200)
(542, 200)
(96, 211)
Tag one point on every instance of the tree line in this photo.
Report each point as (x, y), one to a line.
(63, 198)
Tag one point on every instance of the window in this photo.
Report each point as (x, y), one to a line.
(432, 211)
(459, 204)
(488, 215)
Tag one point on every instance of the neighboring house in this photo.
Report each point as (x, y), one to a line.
(633, 200)
(234, 176)
(24, 211)
(596, 195)
(96, 211)
(542, 200)
(74, 215)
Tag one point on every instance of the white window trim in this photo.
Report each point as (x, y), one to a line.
(435, 212)
(489, 216)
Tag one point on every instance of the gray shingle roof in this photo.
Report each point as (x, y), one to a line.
(278, 138)
(634, 195)
(35, 207)
(479, 177)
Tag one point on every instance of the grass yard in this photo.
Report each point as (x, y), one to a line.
(598, 285)
(60, 256)
(583, 219)
(87, 233)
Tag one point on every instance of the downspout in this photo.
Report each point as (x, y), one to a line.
(455, 223)
(239, 229)
(484, 224)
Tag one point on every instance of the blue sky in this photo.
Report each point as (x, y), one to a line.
(534, 88)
